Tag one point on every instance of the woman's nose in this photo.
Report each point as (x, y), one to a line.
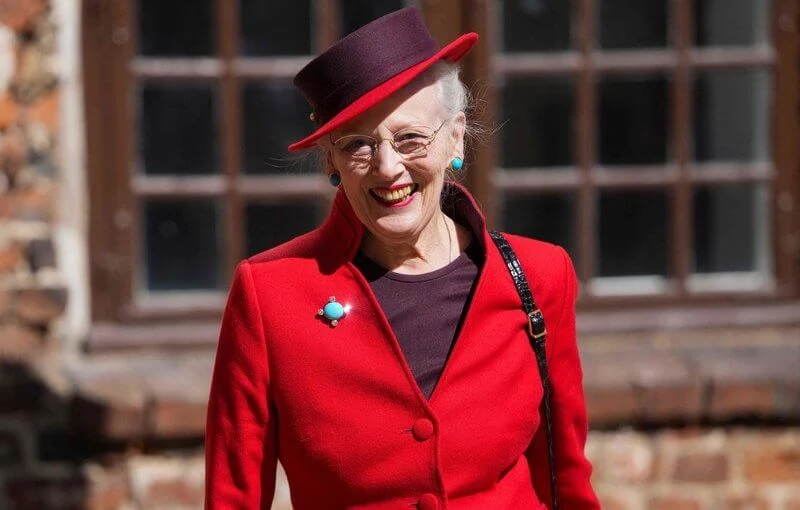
(387, 161)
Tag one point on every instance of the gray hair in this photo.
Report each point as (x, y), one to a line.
(453, 94)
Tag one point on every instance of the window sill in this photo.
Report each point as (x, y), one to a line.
(655, 379)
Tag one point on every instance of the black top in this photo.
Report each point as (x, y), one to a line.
(426, 310)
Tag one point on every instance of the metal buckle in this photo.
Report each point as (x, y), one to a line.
(536, 322)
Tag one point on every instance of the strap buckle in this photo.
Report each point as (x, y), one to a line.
(536, 326)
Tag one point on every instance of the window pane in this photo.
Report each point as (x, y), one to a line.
(546, 217)
(178, 132)
(732, 119)
(730, 228)
(270, 224)
(275, 114)
(535, 25)
(633, 233)
(181, 248)
(357, 13)
(276, 27)
(634, 120)
(731, 22)
(175, 28)
(626, 24)
(538, 115)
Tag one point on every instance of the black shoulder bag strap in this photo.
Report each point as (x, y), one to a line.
(537, 335)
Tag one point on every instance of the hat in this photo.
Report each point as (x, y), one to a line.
(369, 65)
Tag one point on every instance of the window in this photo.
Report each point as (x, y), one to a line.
(641, 135)
(652, 139)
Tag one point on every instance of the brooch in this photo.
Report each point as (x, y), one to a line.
(333, 311)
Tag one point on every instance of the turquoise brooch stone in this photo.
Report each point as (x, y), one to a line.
(333, 311)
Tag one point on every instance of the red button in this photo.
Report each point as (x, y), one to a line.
(428, 502)
(422, 429)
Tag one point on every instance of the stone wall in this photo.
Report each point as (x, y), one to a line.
(33, 411)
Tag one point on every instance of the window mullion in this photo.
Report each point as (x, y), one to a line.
(229, 109)
(786, 208)
(682, 245)
(585, 133)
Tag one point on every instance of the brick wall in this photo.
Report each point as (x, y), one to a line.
(698, 469)
(33, 413)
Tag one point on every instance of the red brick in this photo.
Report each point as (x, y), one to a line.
(174, 492)
(702, 467)
(742, 398)
(177, 419)
(773, 464)
(9, 110)
(5, 302)
(40, 306)
(14, 155)
(671, 402)
(793, 503)
(28, 204)
(610, 405)
(20, 15)
(108, 490)
(10, 258)
(674, 503)
(748, 501)
(19, 343)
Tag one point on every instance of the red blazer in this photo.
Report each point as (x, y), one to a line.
(340, 407)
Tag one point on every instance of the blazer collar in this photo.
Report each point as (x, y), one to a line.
(342, 231)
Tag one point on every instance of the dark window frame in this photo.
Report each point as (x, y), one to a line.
(111, 66)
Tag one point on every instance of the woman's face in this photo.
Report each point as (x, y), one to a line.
(397, 195)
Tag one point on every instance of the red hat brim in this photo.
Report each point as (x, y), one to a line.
(452, 52)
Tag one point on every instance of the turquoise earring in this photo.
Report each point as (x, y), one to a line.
(335, 179)
(457, 164)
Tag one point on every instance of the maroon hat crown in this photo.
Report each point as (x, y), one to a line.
(368, 65)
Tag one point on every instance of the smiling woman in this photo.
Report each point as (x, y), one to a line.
(405, 341)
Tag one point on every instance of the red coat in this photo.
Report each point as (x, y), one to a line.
(340, 407)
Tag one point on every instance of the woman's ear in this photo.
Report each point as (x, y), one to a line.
(458, 132)
(329, 166)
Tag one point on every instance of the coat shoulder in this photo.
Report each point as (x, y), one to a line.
(547, 266)
(304, 246)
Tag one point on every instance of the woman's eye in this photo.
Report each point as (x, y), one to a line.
(411, 135)
(357, 146)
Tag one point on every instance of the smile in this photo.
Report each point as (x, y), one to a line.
(395, 195)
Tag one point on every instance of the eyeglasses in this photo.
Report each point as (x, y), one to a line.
(410, 142)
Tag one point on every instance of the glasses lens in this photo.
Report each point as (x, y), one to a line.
(413, 141)
(357, 146)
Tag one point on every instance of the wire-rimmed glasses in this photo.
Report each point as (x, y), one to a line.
(409, 142)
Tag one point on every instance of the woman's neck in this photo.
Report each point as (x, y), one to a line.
(436, 246)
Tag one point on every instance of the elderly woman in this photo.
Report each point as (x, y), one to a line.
(384, 358)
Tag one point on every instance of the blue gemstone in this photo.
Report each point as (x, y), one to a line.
(333, 311)
(457, 163)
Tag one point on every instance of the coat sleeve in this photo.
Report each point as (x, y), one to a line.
(240, 426)
(570, 424)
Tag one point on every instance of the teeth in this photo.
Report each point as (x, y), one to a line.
(395, 194)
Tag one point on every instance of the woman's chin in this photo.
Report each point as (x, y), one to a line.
(396, 227)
